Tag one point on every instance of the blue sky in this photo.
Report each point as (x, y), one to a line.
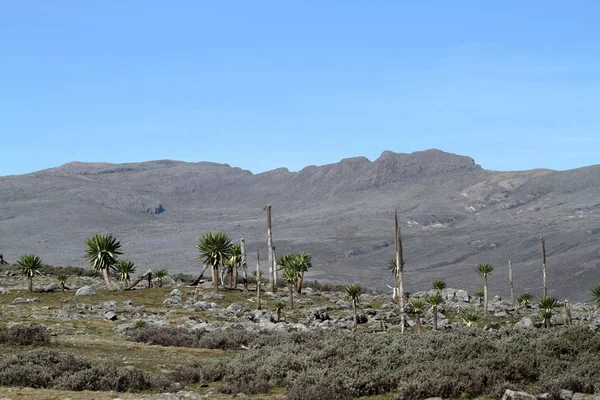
(267, 84)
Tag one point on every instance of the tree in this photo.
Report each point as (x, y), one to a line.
(258, 276)
(469, 317)
(416, 307)
(125, 268)
(30, 266)
(546, 305)
(484, 270)
(304, 262)
(479, 294)
(243, 263)
(292, 268)
(279, 305)
(62, 279)
(160, 275)
(544, 279)
(291, 273)
(354, 291)
(595, 293)
(270, 252)
(439, 285)
(435, 300)
(214, 248)
(510, 282)
(233, 262)
(399, 270)
(101, 251)
(524, 298)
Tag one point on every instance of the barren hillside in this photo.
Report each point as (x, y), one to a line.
(454, 215)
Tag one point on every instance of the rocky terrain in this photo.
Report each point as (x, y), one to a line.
(88, 320)
(454, 215)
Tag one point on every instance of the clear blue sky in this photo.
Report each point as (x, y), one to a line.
(266, 84)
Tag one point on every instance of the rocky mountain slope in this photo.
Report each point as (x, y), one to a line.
(454, 215)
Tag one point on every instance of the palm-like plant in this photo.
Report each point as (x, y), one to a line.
(30, 266)
(469, 317)
(101, 251)
(354, 291)
(546, 305)
(416, 307)
(479, 294)
(160, 275)
(546, 317)
(435, 300)
(595, 293)
(304, 262)
(524, 299)
(279, 306)
(125, 268)
(484, 270)
(62, 279)
(439, 285)
(214, 248)
(234, 261)
(290, 273)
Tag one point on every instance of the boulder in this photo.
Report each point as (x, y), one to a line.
(237, 308)
(85, 291)
(172, 301)
(514, 395)
(175, 293)
(111, 316)
(525, 322)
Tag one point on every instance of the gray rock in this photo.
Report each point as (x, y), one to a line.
(514, 395)
(237, 308)
(201, 305)
(501, 314)
(20, 300)
(344, 304)
(106, 305)
(566, 395)
(175, 293)
(4, 291)
(461, 295)
(261, 316)
(85, 291)
(120, 329)
(172, 301)
(111, 316)
(213, 296)
(525, 322)
(594, 325)
(583, 396)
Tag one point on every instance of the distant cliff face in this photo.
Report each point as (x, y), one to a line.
(454, 215)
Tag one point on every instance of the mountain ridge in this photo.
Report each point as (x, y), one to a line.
(454, 214)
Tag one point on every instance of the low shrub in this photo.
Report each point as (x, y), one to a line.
(24, 335)
(165, 336)
(453, 364)
(49, 368)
